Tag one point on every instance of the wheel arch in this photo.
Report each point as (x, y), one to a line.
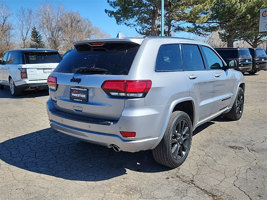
(188, 108)
(242, 85)
(186, 105)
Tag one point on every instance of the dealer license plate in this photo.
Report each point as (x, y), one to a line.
(79, 94)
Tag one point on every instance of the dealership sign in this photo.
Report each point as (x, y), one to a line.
(263, 20)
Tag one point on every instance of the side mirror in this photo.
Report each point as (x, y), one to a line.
(1, 62)
(232, 64)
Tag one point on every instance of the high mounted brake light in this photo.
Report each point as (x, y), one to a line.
(126, 88)
(96, 43)
(52, 82)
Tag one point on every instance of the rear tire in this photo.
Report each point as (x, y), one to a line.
(237, 110)
(14, 90)
(176, 142)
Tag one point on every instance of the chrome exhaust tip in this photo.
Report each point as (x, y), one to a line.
(115, 148)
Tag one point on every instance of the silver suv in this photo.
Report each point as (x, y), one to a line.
(136, 94)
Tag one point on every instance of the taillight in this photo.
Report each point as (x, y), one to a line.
(52, 82)
(23, 72)
(127, 88)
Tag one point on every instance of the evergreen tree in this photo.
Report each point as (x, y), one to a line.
(144, 15)
(36, 39)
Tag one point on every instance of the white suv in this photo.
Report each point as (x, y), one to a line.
(137, 94)
(22, 69)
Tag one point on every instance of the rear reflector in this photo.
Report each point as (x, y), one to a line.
(128, 134)
(52, 82)
(127, 88)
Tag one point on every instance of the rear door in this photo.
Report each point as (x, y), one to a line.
(82, 72)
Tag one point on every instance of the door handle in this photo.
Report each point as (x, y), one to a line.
(217, 75)
(192, 77)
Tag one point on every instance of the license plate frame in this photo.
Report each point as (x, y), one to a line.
(79, 94)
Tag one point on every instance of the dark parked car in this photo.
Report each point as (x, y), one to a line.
(241, 55)
(259, 59)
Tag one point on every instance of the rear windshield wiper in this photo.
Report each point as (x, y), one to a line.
(85, 70)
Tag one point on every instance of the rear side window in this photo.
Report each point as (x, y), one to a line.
(41, 57)
(15, 57)
(191, 57)
(109, 58)
(168, 58)
(211, 59)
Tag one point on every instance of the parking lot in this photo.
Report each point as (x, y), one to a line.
(227, 159)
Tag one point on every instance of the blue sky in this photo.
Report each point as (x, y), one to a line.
(94, 10)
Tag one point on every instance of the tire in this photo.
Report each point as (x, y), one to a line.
(237, 110)
(176, 142)
(14, 90)
(253, 71)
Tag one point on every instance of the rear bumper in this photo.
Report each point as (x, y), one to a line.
(32, 84)
(108, 134)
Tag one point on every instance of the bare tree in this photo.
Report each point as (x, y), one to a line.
(25, 22)
(74, 27)
(97, 33)
(215, 41)
(5, 29)
(49, 24)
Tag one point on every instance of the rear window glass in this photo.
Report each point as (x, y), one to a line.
(260, 53)
(169, 58)
(109, 58)
(41, 57)
(227, 54)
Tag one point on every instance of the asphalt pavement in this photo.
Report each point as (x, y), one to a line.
(227, 159)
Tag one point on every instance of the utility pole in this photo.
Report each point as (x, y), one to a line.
(162, 17)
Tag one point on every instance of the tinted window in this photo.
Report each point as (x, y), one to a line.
(244, 53)
(228, 53)
(15, 57)
(211, 59)
(5, 58)
(260, 53)
(169, 58)
(191, 58)
(110, 58)
(41, 57)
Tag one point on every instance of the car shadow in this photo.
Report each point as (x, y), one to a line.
(202, 127)
(4, 93)
(55, 154)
